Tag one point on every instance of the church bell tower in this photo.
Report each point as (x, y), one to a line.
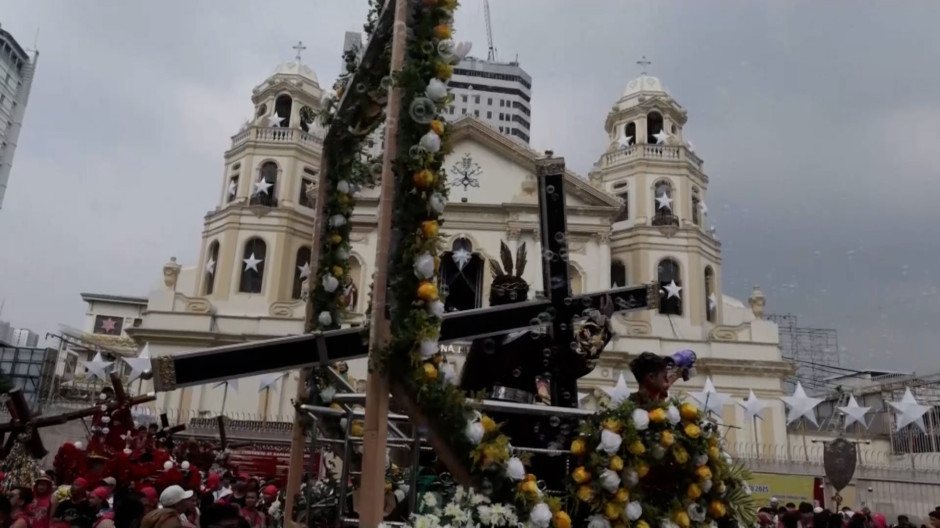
(660, 233)
(256, 243)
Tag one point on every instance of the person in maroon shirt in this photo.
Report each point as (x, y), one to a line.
(40, 511)
(250, 513)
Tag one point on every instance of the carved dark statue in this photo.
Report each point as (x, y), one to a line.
(528, 367)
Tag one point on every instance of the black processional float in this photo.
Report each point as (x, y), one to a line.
(323, 348)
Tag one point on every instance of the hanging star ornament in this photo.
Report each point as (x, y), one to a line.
(98, 367)
(854, 413)
(139, 364)
(908, 411)
(663, 201)
(262, 186)
(251, 263)
(232, 188)
(754, 407)
(304, 270)
(461, 258)
(619, 392)
(712, 301)
(704, 208)
(661, 137)
(710, 400)
(672, 290)
(268, 381)
(624, 141)
(210, 267)
(274, 120)
(801, 405)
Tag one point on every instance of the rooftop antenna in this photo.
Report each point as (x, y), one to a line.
(491, 54)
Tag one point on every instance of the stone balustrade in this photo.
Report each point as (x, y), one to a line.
(270, 135)
(651, 152)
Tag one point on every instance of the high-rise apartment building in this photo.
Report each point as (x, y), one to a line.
(500, 94)
(24, 337)
(17, 68)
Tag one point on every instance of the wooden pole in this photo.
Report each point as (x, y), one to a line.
(264, 412)
(756, 440)
(375, 427)
(803, 434)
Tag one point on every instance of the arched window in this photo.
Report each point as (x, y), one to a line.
(264, 189)
(670, 287)
(282, 106)
(351, 288)
(618, 274)
(624, 214)
(252, 277)
(654, 125)
(629, 132)
(662, 205)
(301, 271)
(212, 260)
(575, 280)
(711, 301)
(462, 277)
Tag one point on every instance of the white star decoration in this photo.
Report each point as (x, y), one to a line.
(712, 301)
(251, 263)
(210, 267)
(702, 207)
(262, 186)
(672, 290)
(754, 407)
(231, 384)
(138, 364)
(624, 141)
(268, 381)
(801, 405)
(854, 413)
(908, 411)
(710, 400)
(304, 270)
(274, 120)
(98, 367)
(661, 137)
(232, 188)
(663, 201)
(581, 396)
(619, 392)
(461, 258)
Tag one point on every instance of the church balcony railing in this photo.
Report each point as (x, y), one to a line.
(270, 135)
(263, 200)
(662, 220)
(652, 152)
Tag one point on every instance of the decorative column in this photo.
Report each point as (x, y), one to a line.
(603, 246)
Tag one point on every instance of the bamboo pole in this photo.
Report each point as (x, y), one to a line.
(375, 430)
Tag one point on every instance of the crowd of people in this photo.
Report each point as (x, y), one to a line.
(222, 501)
(806, 515)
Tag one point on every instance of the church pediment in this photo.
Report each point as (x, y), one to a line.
(486, 167)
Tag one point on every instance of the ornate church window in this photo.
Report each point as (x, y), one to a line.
(282, 107)
(231, 191)
(301, 271)
(264, 190)
(252, 265)
(212, 259)
(629, 132)
(624, 214)
(670, 287)
(654, 125)
(711, 301)
(618, 274)
(462, 277)
(662, 205)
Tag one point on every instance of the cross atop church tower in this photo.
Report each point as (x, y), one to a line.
(643, 64)
(300, 48)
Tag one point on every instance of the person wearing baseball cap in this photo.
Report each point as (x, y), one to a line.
(176, 498)
(149, 499)
(41, 508)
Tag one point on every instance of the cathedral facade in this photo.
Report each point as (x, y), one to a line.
(639, 216)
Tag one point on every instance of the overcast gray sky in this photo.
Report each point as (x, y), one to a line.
(818, 122)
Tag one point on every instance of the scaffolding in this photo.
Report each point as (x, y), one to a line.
(814, 351)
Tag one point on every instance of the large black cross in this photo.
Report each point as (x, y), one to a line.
(323, 348)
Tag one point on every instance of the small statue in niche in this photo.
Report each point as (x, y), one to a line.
(350, 294)
(171, 272)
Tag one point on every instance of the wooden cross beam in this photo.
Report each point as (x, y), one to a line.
(20, 418)
(166, 432)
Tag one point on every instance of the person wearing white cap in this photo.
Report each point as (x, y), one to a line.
(177, 499)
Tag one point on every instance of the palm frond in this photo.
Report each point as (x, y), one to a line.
(520, 260)
(495, 269)
(506, 256)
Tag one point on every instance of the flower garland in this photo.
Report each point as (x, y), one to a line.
(661, 467)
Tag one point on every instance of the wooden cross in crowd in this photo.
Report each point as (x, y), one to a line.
(323, 348)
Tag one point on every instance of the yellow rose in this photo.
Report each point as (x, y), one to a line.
(622, 496)
(692, 431)
(356, 428)
(612, 510)
(666, 438)
(388, 486)
(444, 71)
(688, 412)
(335, 238)
(713, 441)
(714, 453)
(437, 126)
(717, 509)
(612, 424)
(488, 424)
(430, 371)
(429, 228)
(585, 493)
(530, 477)
(681, 455)
(682, 519)
(703, 473)
(641, 469)
(641, 524)
(493, 454)
(427, 291)
(721, 488)
(694, 491)
(616, 463)
(658, 415)
(442, 31)
(636, 448)
(580, 475)
(343, 199)
(424, 179)
(562, 520)
(337, 272)
(336, 406)
(529, 487)
(578, 447)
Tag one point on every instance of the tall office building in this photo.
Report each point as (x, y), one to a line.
(498, 93)
(16, 78)
(24, 337)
